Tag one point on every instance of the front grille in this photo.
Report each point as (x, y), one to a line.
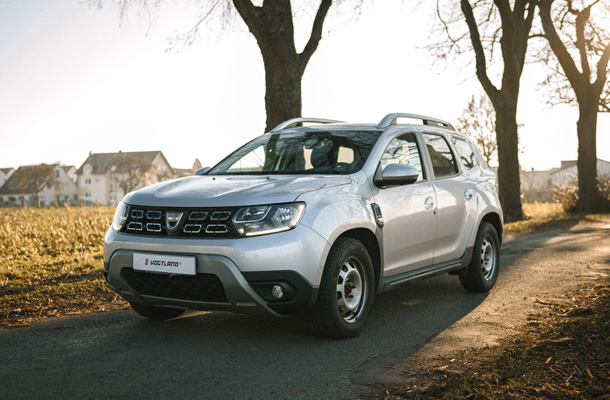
(197, 223)
(200, 287)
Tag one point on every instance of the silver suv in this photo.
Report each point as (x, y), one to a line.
(313, 219)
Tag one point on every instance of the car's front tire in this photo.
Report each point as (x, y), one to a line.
(156, 312)
(482, 272)
(346, 291)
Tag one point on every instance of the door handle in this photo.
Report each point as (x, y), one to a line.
(468, 194)
(429, 204)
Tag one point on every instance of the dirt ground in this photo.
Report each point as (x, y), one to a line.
(552, 343)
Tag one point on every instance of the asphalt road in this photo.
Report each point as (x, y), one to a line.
(119, 355)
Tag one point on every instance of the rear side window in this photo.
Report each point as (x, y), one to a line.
(443, 161)
(465, 152)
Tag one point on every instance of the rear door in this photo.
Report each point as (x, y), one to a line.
(456, 200)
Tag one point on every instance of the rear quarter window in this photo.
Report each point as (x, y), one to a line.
(465, 152)
(443, 160)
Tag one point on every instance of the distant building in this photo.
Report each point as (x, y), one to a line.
(104, 178)
(538, 185)
(55, 184)
(182, 172)
(569, 172)
(5, 173)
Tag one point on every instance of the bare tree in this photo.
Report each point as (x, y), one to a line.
(32, 179)
(479, 121)
(272, 25)
(492, 24)
(129, 170)
(574, 36)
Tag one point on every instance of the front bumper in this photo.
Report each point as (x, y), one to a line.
(234, 275)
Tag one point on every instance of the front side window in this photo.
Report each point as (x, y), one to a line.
(443, 161)
(403, 150)
(300, 153)
(465, 152)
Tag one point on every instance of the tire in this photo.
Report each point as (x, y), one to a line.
(156, 312)
(346, 291)
(482, 272)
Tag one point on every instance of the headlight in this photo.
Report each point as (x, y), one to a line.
(120, 216)
(263, 220)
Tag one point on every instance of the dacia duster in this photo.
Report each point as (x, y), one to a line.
(316, 217)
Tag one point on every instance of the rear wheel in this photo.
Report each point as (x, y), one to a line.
(346, 291)
(156, 312)
(482, 272)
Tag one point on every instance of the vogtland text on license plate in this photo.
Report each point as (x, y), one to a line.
(164, 263)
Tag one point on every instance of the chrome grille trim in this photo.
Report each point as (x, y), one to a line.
(220, 215)
(197, 216)
(153, 214)
(216, 228)
(192, 228)
(196, 223)
(137, 213)
(153, 227)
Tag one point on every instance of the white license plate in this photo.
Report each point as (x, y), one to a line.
(164, 263)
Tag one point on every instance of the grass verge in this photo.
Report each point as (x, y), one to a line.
(546, 217)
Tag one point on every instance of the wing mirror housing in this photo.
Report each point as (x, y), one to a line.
(202, 171)
(395, 175)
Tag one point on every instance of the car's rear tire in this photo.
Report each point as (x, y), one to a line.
(482, 272)
(346, 291)
(156, 312)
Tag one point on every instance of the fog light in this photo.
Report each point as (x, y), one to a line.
(277, 291)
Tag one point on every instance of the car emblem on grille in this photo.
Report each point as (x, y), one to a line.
(172, 220)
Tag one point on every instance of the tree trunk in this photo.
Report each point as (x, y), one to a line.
(586, 127)
(508, 159)
(516, 25)
(272, 26)
(587, 95)
(283, 75)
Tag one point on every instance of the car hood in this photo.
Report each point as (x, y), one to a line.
(230, 191)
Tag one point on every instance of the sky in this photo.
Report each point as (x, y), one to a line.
(72, 81)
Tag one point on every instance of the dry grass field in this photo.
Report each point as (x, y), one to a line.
(51, 258)
(51, 261)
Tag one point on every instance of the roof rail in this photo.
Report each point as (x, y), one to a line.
(391, 119)
(295, 121)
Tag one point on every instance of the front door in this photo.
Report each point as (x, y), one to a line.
(409, 212)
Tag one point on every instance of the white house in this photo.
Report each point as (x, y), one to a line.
(569, 172)
(104, 178)
(538, 185)
(5, 173)
(55, 183)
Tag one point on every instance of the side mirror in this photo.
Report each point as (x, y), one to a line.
(396, 175)
(202, 171)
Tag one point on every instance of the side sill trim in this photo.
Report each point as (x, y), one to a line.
(428, 272)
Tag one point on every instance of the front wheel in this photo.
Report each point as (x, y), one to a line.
(156, 312)
(346, 291)
(482, 272)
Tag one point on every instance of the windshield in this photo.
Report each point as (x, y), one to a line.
(300, 153)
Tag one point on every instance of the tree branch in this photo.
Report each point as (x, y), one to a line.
(316, 32)
(481, 62)
(602, 71)
(250, 14)
(563, 56)
(581, 43)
